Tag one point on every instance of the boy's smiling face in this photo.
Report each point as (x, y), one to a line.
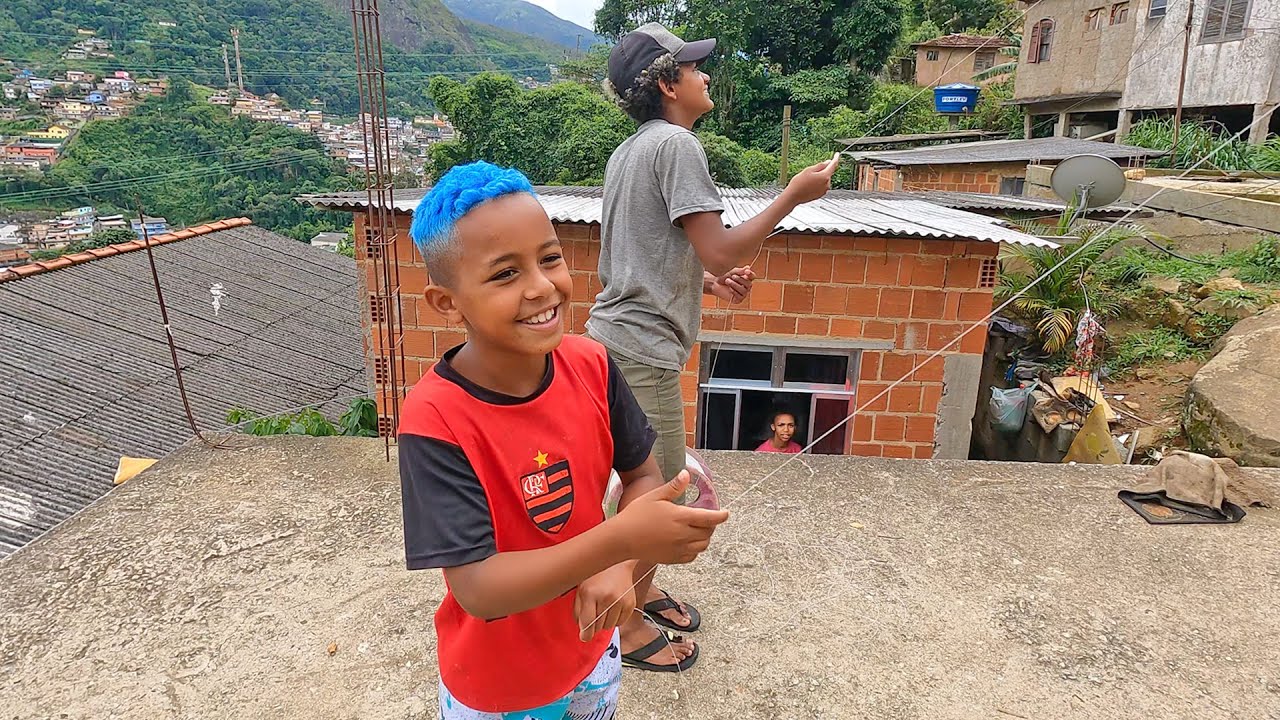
(509, 283)
(692, 92)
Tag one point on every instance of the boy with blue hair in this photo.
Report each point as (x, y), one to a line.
(505, 448)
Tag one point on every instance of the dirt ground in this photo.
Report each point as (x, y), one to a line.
(1155, 395)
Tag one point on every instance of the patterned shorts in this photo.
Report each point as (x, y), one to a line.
(595, 698)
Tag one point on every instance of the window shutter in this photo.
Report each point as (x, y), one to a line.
(1213, 17)
(1236, 15)
(1034, 54)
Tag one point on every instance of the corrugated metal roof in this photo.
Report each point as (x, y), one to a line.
(91, 374)
(841, 212)
(991, 151)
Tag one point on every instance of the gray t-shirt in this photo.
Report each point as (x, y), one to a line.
(651, 305)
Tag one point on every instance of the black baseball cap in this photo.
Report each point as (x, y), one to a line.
(637, 50)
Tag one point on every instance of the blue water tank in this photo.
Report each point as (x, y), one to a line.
(955, 98)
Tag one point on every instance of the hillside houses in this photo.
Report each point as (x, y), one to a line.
(344, 141)
(81, 96)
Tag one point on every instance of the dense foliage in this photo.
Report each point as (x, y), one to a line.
(360, 420)
(191, 162)
(1204, 146)
(299, 49)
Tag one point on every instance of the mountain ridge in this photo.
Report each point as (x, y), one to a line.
(525, 18)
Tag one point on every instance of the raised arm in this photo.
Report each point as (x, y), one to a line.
(721, 249)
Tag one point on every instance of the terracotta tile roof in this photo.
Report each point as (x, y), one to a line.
(961, 40)
(40, 266)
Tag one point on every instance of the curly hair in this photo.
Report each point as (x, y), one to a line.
(454, 195)
(643, 102)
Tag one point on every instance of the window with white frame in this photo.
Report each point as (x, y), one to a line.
(1158, 8)
(742, 386)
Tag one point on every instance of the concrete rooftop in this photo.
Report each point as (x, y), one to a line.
(213, 585)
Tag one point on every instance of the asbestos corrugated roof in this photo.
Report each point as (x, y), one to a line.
(841, 212)
(90, 374)
(992, 151)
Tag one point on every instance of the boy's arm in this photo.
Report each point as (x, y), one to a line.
(653, 529)
(720, 248)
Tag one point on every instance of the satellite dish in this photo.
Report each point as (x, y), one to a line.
(1087, 181)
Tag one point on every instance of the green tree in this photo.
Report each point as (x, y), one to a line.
(205, 165)
(867, 33)
(558, 134)
(958, 15)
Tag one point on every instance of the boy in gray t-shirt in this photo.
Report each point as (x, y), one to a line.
(663, 245)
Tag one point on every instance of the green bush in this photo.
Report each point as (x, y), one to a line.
(1152, 346)
(360, 420)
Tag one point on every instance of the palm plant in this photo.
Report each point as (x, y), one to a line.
(1054, 304)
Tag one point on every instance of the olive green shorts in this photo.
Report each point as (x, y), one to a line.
(658, 393)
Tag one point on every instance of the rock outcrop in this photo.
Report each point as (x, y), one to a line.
(1233, 402)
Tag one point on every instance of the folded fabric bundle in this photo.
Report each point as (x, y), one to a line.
(1184, 488)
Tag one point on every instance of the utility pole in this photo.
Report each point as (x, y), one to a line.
(226, 65)
(783, 164)
(235, 38)
(577, 46)
(1182, 77)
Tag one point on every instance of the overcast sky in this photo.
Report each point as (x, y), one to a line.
(582, 12)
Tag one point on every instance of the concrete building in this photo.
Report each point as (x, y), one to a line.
(1087, 67)
(152, 225)
(1233, 68)
(990, 166)
(955, 58)
(854, 293)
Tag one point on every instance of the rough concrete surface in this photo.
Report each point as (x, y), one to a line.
(214, 585)
(1231, 406)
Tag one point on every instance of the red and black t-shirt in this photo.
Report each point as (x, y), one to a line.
(483, 473)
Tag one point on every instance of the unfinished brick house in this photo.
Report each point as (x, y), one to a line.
(988, 166)
(855, 291)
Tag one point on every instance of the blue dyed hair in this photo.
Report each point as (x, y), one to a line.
(455, 194)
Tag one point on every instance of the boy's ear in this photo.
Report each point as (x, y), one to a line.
(667, 89)
(440, 299)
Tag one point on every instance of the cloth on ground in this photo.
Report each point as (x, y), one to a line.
(1184, 488)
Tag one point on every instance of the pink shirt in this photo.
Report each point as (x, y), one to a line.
(791, 449)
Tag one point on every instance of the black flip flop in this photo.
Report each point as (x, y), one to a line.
(667, 603)
(638, 658)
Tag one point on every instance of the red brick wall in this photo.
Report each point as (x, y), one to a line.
(919, 294)
(883, 179)
(976, 177)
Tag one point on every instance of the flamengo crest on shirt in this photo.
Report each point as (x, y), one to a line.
(548, 495)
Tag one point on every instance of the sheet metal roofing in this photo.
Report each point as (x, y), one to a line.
(841, 212)
(992, 151)
(91, 377)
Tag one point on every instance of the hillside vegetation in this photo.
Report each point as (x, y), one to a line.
(299, 49)
(202, 165)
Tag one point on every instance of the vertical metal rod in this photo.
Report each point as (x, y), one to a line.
(379, 221)
(1182, 79)
(784, 169)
